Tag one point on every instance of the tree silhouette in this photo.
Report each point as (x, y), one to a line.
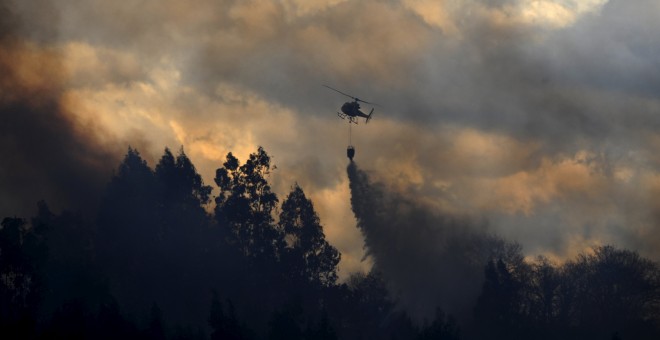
(308, 257)
(441, 328)
(367, 308)
(609, 291)
(544, 298)
(181, 198)
(154, 237)
(71, 320)
(285, 325)
(246, 203)
(184, 241)
(502, 309)
(128, 232)
(155, 330)
(224, 324)
(613, 291)
(111, 324)
(20, 286)
(156, 246)
(322, 330)
(180, 181)
(68, 270)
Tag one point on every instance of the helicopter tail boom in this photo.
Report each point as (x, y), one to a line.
(369, 116)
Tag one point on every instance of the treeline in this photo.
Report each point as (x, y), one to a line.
(156, 264)
(607, 294)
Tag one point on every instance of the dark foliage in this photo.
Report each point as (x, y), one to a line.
(247, 205)
(20, 284)
(309, 257)
(156, 265)
(224, 323)
(608, 293)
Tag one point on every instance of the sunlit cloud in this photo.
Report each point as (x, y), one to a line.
(538, 116)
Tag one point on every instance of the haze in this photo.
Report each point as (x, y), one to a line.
(538, 117)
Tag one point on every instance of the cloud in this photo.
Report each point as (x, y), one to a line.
(46, 153)
(540, 116)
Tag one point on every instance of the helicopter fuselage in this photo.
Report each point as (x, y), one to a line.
(352, 109)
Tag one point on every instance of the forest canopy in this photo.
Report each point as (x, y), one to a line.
(163, 258)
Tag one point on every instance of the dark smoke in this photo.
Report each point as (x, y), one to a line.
(44, 152)
(428, 258)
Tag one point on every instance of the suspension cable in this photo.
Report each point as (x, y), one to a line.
(350, 135)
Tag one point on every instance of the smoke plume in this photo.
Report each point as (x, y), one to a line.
(429, 259)
(540, 115)
(46, 154)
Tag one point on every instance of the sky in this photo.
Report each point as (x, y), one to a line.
(538, 118)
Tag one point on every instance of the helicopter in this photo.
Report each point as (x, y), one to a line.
(351, 110)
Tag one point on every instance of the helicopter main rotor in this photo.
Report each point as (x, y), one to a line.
(349, 96)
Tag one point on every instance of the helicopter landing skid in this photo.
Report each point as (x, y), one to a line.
(345, 116)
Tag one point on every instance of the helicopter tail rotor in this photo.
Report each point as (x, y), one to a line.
(369, 117)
